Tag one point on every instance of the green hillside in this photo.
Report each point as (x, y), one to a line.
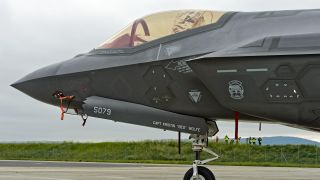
(163, 152)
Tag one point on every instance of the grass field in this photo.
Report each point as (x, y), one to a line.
(163, 152)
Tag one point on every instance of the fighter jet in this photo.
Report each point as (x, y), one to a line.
(183, 70)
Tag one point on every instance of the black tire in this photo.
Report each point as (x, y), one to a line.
(203, 173)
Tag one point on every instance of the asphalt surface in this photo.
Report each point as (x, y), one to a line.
(27, 170)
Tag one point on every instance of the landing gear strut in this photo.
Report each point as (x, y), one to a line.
(199, 144)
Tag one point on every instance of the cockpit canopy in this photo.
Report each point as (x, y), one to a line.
(159, 25)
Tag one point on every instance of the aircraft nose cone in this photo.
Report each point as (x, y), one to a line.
(39, 83)
(35, 88)
(17, 85)
(30, 88)
(26, 87)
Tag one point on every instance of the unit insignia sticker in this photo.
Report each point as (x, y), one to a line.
(236, 89)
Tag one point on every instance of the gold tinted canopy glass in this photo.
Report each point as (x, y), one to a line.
(159, 25)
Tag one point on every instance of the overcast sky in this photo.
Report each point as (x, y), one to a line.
(36, 33)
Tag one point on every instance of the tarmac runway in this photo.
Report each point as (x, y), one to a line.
(39, 170)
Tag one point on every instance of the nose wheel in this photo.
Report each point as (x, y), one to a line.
(199, 144)
(203, 174)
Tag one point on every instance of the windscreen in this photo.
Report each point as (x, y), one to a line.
(159, 25)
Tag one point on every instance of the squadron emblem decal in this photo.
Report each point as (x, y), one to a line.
(236, 89)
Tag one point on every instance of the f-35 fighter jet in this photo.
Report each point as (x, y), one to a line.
(182, 70)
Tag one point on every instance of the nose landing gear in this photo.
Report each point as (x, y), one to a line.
(199, 144)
